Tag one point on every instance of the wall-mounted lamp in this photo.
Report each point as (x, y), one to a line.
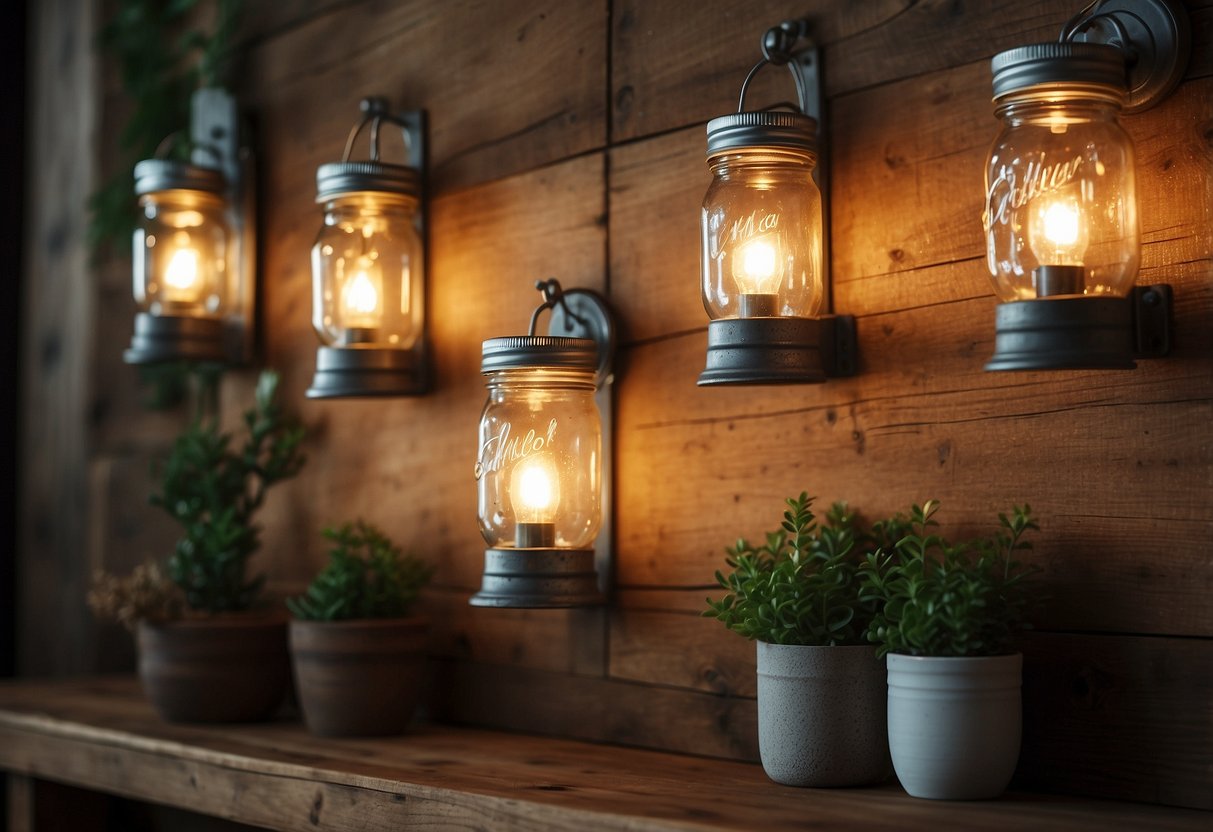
(764, 261)
(368, 267)
(543, 472)
(1061, 220)
(193, 253)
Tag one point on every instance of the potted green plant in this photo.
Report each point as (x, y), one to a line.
(357, 650)
(946, 619)
(821, 689)
(207, 651)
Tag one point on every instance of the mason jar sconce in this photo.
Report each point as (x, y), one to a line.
(368, 266)
(765, 265)
(1061, 221)
(543, 470)
(193, 245)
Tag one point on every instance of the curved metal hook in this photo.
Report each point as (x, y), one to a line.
(1084, 20)
(552, 294)
(375, 112)
(779, 49)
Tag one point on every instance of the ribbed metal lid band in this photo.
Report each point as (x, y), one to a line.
(521, 351)
(775, 129)
(153, 175)
(1097, 67)
(338, 178)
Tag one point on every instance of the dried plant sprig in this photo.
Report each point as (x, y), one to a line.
(144, 595)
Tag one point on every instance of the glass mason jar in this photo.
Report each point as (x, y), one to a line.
(1061, 204)
(761, 220)
(367, 263)
(538, 472)
(182, 240)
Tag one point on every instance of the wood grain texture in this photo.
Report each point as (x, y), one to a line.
(671, 69)
(558, 641)
(1125, 716)
(53, 629)
(507, 87)
(102, 736)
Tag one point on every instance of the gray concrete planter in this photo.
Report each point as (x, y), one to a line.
(821, 715)
(954, 724)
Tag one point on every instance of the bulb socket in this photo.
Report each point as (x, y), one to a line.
(1052, 281)
(535, 535)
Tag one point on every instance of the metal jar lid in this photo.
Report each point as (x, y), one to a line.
(775, 129)
(518, 352)
(339, 178)
(153, 175)
(1096, 68)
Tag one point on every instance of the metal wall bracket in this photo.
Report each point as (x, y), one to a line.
(1155, 34)
(1152, 320)
(216, 140)
(840, 351)
(586, 314)
(790, 45)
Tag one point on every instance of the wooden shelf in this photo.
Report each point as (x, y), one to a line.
(101, 735)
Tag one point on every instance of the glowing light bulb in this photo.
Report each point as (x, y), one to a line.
(182, 271)
(757, 267)
(360, 296)
(535, 497)
(758, 270)
(535, 491)
(1058, 234)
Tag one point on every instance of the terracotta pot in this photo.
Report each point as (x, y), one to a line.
(954, 724)
(821, 715)
(358, 678)
(231, 668)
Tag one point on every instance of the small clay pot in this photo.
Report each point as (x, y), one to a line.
(230, 668)
(358, 678)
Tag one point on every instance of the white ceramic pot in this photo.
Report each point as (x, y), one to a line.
(954, 724)
(821, 715)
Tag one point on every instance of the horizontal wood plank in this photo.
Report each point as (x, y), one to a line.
(558, 641)
(671, 69)
(1128, 717)
(704, 467)
(101, 735)
(456, 60)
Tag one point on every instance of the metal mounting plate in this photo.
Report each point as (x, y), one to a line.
(1160, 39)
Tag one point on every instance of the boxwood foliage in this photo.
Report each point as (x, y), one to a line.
(367, 576)
(214, 490)
(936, 598)
(802, 586)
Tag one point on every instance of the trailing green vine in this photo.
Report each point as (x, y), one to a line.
(162, 56)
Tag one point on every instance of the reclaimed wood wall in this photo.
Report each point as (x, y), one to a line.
(567, 139)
